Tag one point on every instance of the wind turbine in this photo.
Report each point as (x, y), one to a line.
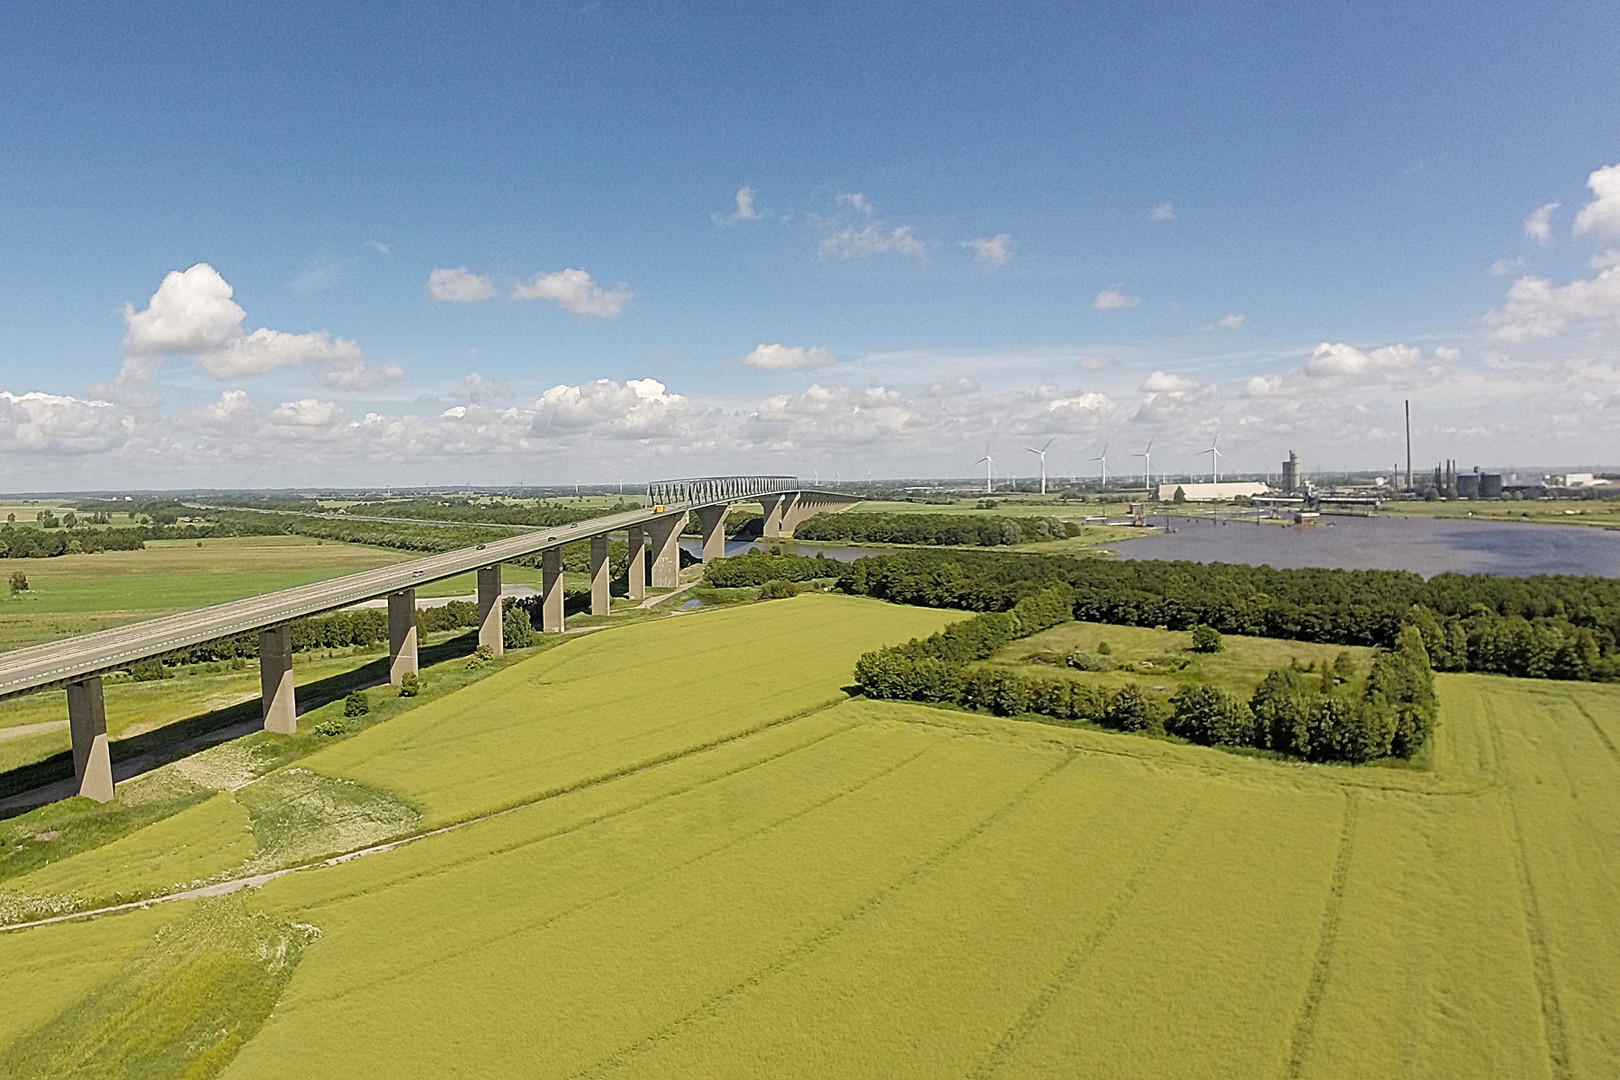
(1103, 457)
(1041, 453)
(1214, 457)
(1147, 466)
(989, 463)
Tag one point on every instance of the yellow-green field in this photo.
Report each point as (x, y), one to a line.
(682, 853)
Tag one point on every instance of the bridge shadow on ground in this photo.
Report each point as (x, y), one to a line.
(193, 734)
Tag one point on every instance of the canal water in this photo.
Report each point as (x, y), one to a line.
(1425, 546)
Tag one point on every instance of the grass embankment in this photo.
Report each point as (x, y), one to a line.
(736, 883)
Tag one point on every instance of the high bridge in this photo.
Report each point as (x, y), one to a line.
(653, 532)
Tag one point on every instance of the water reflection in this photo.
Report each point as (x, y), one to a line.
(1424, 546)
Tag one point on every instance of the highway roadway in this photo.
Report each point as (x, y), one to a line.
(59, 662)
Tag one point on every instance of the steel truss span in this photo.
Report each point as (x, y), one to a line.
(707, 490)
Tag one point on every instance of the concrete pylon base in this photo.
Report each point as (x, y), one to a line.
(666, 546)
(635, 567)
(551, 591)
(712, 520)
(601, 601)
(401, 635)
(489, 610)
(276, 698)
(87, 726)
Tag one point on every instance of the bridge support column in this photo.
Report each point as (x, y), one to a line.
(87, 724)
(401, 635)
(276, 680)
(551, 591)
(635, 567)
(712, 519)
(772, 505)
(666, 546)
(600, 600)
(489, 609)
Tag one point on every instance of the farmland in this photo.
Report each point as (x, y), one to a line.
(683, 851)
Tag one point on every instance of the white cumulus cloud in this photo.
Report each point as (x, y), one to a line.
(1538, 226)
(1162, 212)
(1162, 382)
(993, 250)
(1329, 361)
(574, 290)
(787, 357)
(639, 408)
(865, 236)
(36, 423)
(1109, 299)
(192, 314)
(458, 285)
(1602, 214)
(1536, 308)
(307, 413)
(745, 210)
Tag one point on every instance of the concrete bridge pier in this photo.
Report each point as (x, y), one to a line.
(276, 680)
(635, 568)
(600, 600)
(551, 590)
(772, 505)
(666, 546)
(489, 609)
(87, 724)
(401, 635)
(712, 520)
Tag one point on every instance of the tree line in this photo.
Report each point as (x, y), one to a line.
(338, 630)
(759, 567)
(1541, 627)
(1330, 717)
(961, 530)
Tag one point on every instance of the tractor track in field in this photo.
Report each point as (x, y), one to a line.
(1082, 954)
(1552, 1012)
(1597, 729)
(1305, 1021)
(645, 879)
(711, 1007)
(234, 884)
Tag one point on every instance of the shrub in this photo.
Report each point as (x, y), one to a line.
(149, 670)
(1206, 639)
(356, 704)
(1104, 649)
(1084, 661)
(331, 727)
(410, 684)
(1133, 710)
(778, 590)
(480, 657)
(517, 629)
(1210, 717)
(19, 581)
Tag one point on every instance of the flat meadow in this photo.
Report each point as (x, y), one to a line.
(679, 849)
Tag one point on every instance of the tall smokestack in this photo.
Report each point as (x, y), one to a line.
(1409, 443)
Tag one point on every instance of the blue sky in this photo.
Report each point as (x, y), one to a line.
(503, 242)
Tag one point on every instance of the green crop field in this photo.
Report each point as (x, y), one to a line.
(682, 852)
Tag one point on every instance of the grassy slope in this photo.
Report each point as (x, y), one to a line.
(885, 889)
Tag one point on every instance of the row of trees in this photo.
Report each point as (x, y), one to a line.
(758, 567)
(1330, 718)
(1547, 626)
(962, 530)
(540, 516)
(339, 630)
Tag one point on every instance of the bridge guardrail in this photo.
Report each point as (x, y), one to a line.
(702, 490)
